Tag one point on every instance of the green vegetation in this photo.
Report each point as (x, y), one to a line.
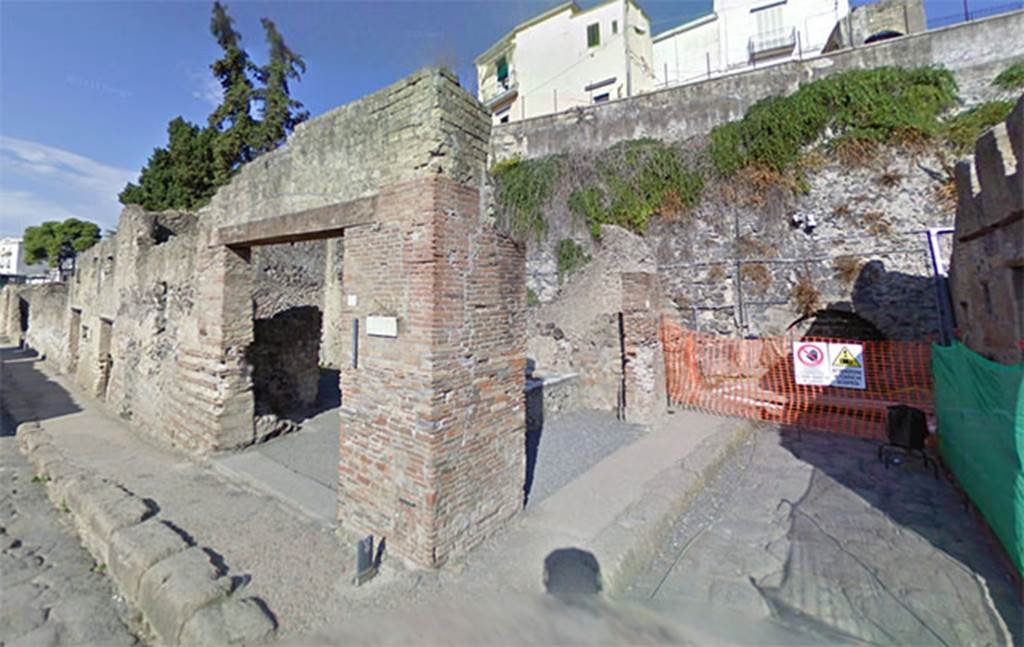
(196, 161)
(965, 128)
(522, 188)
(56, 242)
(571, 257)
(64, 506)
(882, 105)
(636, 179)
(41, 478)
(532, 300)
(1011, 78)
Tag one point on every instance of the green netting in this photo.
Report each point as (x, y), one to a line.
(980, 408)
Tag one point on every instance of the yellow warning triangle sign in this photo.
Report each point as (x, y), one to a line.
(846, 359)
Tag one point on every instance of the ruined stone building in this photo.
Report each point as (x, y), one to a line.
(363, 258)
(987, 275)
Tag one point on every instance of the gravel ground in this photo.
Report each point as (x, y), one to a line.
(571, 444)
(51, 590)
(811, 531)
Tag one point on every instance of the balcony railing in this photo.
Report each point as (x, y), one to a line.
(772, 43)
(494, 90)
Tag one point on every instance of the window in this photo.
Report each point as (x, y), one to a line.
(615, 26)
(601, 98)
(504, 119)
(503, 71)
(594, 35)
(769, 21)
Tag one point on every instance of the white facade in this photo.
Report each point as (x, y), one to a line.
(567, 57)
(741, 34)
(12, 261)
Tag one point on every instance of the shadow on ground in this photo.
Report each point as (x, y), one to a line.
(45, 399)
(911, 496)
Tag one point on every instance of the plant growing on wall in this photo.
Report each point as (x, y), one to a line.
(571, 257)
(1011, 78)
(521, 189)
(877, 106)
(965, 128)
(632, 181)
(56, 242)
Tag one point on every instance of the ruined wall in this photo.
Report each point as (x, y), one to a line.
(130, 295)
(975, 52)
(45, 306)
(987, 275)
(579, 331)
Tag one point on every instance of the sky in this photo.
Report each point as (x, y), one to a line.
(87, 88)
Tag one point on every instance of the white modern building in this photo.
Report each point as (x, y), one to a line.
(13, 266)
(567, 57)
(741, 34)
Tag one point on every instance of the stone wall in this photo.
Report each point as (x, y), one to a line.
(579, 331)
(987, 275)
(975, 52)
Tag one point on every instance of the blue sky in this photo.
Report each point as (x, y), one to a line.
(87, 88)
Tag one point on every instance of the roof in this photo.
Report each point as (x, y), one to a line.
(686, 26)
(554, 11)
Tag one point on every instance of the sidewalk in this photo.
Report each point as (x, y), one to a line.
(301, 568)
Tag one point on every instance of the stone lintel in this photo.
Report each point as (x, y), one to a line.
(309, 224)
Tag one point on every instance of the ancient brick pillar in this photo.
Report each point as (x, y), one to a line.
(645, 364)
(432, 421)
(212, 407)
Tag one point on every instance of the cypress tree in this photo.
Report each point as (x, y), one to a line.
(281, 113)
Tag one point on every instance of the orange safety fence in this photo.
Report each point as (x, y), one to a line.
(754, 378)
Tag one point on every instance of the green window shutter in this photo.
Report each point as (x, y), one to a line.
(502, 68)
(594, 35)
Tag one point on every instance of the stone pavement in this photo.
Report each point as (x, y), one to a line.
(811, 530)
(302, 569)
(51, 590)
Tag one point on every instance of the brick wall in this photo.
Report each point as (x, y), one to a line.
(432, 445)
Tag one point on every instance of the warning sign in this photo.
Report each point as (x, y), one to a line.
(847, 365)
(829, 364)
(811, 366)
(845, 359)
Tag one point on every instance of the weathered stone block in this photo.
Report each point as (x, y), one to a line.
(135, 549)
(172, 591)
(233, 621)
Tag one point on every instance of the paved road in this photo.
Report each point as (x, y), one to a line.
(51, 592)
(812, 531)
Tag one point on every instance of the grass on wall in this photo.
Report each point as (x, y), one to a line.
(632, 181)
(521, 189)
(882, 105)
(571, 257)
(965, 128)
(848, 116)
(1012, 78)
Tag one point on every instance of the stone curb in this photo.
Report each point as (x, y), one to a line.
(184, 598)
(632, 541)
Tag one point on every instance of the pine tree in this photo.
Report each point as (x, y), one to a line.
(56, 242)
(281, 113)
(196, 161)
(232, 120)
(181, 176)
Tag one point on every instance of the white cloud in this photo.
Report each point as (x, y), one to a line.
(206, 88)
(40, 182)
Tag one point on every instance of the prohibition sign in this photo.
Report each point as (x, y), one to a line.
(810, 355)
